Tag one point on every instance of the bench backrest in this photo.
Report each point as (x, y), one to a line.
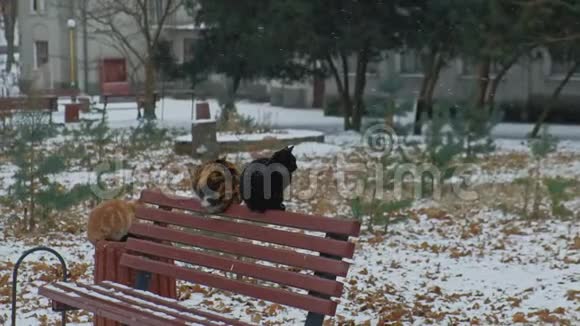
(116, 89)
(41, 103)
(289, 259)
(60, 92)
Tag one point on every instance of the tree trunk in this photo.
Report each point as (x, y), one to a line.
(493, 86)
(422, 105)
(344, 101)
(482, 81)
(230, 105)
(347, 106)
(359, 88)
(235, 87)
(149, 109)
(10, 13)
(10, 48)
(318, 91)
(435, 72)
(553, 99)
(426, 77)
(497, 80)
(32, 191)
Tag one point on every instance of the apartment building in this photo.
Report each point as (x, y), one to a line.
(63, 43)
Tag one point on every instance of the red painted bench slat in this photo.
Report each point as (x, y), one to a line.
(274, 255)
(123, 301)
(179, 315)
(249, 231)
(108, 309)
(169, 303)
(288, 298)
(300, 221)
(265, 273)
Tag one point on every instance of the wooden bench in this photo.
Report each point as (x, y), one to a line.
(11, 105)
(24, 103)
(289, 259)
(140, 99)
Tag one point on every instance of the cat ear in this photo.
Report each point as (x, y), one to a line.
(290, 148)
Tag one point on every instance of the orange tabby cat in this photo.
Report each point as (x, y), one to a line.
(111, 220)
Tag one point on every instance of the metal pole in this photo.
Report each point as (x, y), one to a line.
(72, 57)
(162, 97)
(193, 111)
(15, 277)
(85, 47)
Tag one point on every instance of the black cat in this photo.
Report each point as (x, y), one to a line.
(264, 180)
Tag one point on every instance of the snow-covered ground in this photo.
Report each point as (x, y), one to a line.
(178, 114)
(448, 262)
(283, 134)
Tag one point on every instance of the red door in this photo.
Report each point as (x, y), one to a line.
(114, 79)
(114, 70)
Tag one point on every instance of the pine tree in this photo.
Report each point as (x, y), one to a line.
(89, 141)
(99, 135)
(442, 143)
(473, 127)
(33, 188)
(147, 136)
(539, 150)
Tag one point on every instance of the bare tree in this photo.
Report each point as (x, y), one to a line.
(136, 26)
(9, 10)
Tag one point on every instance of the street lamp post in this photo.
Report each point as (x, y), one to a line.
(72, 24)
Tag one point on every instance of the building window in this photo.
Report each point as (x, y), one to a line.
(40, 53)
(155, 11)
(37, 6)
(188, 49)
(561, 68)
(411, 63)
(372, 66)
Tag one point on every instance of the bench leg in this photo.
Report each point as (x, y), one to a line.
(142, 281)
(106, 99)
(314, 319)
(139, 107)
